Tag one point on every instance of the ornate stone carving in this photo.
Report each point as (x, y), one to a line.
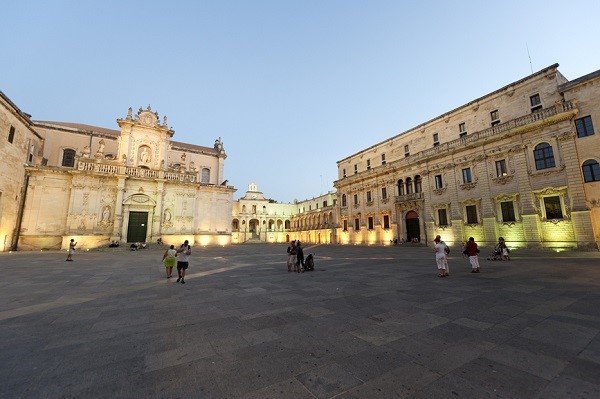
(502, 179)
(439, 191)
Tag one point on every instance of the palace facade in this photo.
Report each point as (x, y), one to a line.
(521, 162)
(100, 185)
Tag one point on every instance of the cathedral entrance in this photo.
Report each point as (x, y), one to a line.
(413, 231)
(138, 227)
(253, 227)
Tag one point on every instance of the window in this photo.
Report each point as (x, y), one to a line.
(495, 117)
(501, 168)
(436, 140)
(344, 200)
(68, 158)
(536, 103)
(386, 221)
(324, 203)
(508, 211)
(384, 193)
(356, 224)
(11, 134)
(409, 186)
(442, 217)
(355, 168)
(438, 181)
(355, 199)
(471, 214)
(368, 164)
(369, 197)
(553, 207)
(406, 151)
(345, 225)
(205, 175)
(466, 175)
(591, 171)
(344, 172)
(400, 187)
(584, 126)
(462, 129)
(418, 186)
(544, 156)
(383, 159)
(370, 221)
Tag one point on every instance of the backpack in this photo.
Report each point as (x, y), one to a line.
(446, 249)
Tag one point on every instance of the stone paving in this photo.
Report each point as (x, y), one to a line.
(369, 322)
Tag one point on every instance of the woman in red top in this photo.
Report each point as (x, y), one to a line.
(472, 252)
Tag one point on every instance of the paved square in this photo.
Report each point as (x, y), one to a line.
(369, 322)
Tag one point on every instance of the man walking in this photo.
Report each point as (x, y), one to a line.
(183, 260)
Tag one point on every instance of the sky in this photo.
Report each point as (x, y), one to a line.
(290, 87)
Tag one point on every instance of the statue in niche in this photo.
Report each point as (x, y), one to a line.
(106, 214)
(145, 155)
(192, 166)
(124, 159)
(167, 216)
(183, 156)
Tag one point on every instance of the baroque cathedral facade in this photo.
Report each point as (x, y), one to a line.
(521, 163)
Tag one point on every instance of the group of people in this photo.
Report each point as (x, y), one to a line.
(179, 257)
(295, 260)
(442, 250)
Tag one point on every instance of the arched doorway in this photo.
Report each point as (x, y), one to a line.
(412, 226)
(253, 227)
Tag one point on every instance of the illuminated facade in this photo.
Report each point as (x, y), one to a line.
(521, 162)
(100, 185)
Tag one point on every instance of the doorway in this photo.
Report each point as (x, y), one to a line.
(138, 227)
(413, 231)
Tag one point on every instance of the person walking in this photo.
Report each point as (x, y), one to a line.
(169, 259)
(299, 257)
(71, 250)
(472, 251)
(183, 260)
(293, 255)
(441, 249)
(290, 260)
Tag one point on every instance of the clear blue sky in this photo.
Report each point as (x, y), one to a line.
(291, 87)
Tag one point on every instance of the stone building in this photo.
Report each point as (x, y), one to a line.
(100, 185)
(20, 145)
(315, 220)
(521, 162)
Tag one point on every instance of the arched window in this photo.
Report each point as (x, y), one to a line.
(591, 171)
(68, 158)
(400, 187)
(418, 186)
(409, 186)
(205, 176)
(544, 156)
(343, 199)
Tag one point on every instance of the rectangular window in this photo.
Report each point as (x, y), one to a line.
(383, 193)
(345, 225)
(508, 211)
(584, 126)
(442, 217)
(11, 134)
(383, 159)
(501, 168)
(406, 150)
(355, 199)
(462, 129)
(370, 221)
(386, 221)
(369, 197)
(438, 181)
(356, 224)
(436, 140)
(495, 117)
(535, 102)
(324, 203)
(355, 169)
(471, 214)
(553, 208)
(368, 164)
(466, 175)
(344, 172)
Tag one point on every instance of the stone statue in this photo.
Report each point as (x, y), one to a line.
(183, 157)
(129, 111)
(101, 147)
(86, 152)
(145, 155)
(106, 214)
(167, 216)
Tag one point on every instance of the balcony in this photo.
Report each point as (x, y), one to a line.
(123, 170)
(408, 197)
